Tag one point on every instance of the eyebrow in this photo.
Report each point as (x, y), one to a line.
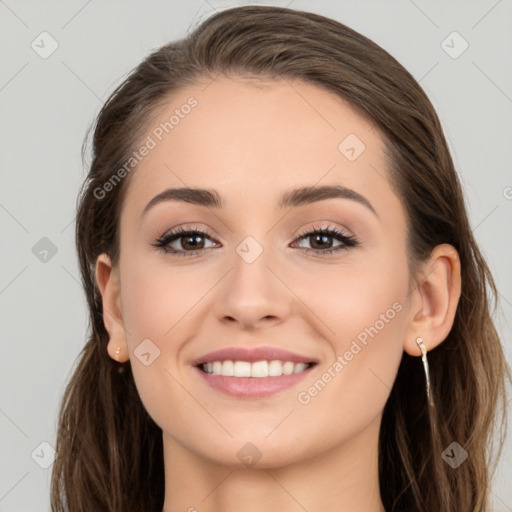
(292, 198)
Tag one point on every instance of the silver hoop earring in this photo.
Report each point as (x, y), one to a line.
(423, 349)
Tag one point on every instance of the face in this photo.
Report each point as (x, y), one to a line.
(323, 277)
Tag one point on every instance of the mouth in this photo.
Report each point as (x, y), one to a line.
(256, 369)
(251, 373)
(253, 380)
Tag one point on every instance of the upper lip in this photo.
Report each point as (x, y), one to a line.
(252, 355)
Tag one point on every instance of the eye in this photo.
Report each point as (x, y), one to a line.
(320, 239)
(191, 242)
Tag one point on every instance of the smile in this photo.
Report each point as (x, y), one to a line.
(259, 379)
(257, 369)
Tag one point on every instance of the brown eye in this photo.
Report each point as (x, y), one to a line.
(192, 242)
(184, 242)
(321, 240)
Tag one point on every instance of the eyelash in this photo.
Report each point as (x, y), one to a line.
(163, 241)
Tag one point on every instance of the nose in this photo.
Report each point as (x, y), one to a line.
(253, 294)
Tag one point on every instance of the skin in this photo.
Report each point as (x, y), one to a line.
(251, 141)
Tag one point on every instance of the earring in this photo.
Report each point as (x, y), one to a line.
(120, 368)
(423, 349)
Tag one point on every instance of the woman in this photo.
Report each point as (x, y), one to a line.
(272, 236)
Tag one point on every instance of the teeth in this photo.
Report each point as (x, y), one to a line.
(242, 369)
(257, 369)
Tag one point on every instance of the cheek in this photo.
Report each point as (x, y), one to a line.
(156, 299)
(364, 307)
(360, 311)
(158, 305)
(166, 304)
(366, 292)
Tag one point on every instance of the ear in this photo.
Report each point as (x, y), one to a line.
(434, 300)
(107, 279)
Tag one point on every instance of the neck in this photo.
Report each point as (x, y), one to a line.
(343, 478)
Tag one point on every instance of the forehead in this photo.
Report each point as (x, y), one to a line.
(253, 139)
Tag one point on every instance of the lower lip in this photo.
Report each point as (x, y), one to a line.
(252, 387)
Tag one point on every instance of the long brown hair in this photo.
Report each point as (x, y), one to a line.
(110, 452)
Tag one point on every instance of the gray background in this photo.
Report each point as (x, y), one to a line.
(46, 105)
